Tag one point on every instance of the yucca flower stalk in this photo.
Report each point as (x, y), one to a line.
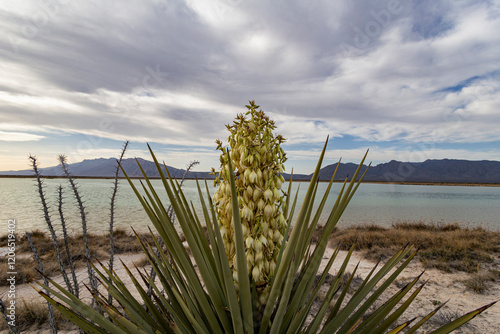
(258, 162)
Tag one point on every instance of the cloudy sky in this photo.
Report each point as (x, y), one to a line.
(411, 80)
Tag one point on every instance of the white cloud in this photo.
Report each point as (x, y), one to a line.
(176, 72)
(18, 136)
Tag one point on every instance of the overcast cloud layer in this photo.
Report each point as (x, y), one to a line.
(411, 80)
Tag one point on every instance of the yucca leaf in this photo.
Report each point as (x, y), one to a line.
(314, 326)
(331, 222)
(155, 315)
(166, 231)
(285, 239)
(171, 284)
(366, 279)
(131, 306)
(160, 313)
(213, 270)
(82, 323)
(231, 295)
(347, 194)
(348, 312)
(362, 307)
(181, 323)
(243, 281)
(290, 248)
(315, 260)
(311, 266)
(234, 305)
(462, 320)
(77, 305)
(154, 199)
(399, 311)
(292, 209)
(183, 214)
(282, 307)
(319, 211)
(301, 315)
(302, 253)
(182, 293)
(302, 243)
(183, 259)
(422, 321)
(208, 223)
(399, 328)
(126, 325)
(380, 316)
(195, 228)
(195, 319)
(343, 293)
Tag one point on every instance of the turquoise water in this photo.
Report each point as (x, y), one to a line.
(382, 204)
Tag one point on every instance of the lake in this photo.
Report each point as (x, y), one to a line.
(382, 204)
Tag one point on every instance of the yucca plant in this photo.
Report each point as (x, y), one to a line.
(197, 293)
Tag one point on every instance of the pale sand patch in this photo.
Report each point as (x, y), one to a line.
(440, 288)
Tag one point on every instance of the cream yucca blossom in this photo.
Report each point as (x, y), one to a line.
(257, 158)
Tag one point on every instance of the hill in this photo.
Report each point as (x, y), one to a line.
(432, 171)
(103, 167)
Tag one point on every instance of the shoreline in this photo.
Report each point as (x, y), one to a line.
(419, 183)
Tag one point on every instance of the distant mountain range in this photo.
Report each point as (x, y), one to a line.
(435, 171)
(103, 167)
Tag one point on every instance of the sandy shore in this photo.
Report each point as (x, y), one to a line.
(441, 287)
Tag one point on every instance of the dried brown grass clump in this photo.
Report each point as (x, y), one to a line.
(481, 281)
(99, 248)
(30, 316)
(446, 247)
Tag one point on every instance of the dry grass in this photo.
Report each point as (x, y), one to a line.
(447, 247)
(99, 246)
(480, 282)
(30, 316)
